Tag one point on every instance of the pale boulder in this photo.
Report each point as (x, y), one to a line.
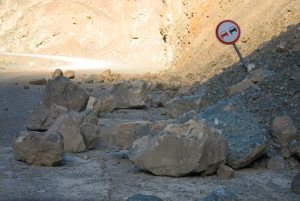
(39, 148)
(181, 149)
(69, 127)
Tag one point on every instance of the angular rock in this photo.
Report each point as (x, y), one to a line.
(225, 172)
(179, 106)
(130, 95)
(69, 127)
(64, 92)
(296, 184)
(238, 127)
(284, 130)
(38, 82)
(124, 135)
(102, 104)
(59, 95)
(276, 163)
(39, 148)
(221, 194)
(90, 133)
(243, 85)
(181, 149)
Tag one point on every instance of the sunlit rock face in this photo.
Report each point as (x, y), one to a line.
(158, 34)
(126, 31)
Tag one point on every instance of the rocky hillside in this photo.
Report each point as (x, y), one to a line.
(167, 34)
(189, 30)
(113, 30)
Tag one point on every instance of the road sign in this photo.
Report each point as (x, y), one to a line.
(228, 32)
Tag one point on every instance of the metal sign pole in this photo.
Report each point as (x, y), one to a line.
(238, 52)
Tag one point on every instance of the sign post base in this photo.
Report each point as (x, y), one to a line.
(241, 58)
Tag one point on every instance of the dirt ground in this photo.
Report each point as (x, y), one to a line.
(107, 174)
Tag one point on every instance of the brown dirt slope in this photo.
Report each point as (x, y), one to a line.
(113, 30)
(189, 30)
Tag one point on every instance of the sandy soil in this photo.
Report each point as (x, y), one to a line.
(107, 174)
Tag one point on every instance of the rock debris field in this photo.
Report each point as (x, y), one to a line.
(157, 136)
(143, 137)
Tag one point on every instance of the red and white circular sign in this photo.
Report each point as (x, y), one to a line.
(228, 32)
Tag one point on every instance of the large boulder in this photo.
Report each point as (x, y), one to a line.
(130, 94)
(69, 127)
(123, 135)
(238, 127)
(179, 106)
(39, 148)
(60, 95)
(181, 149)
(284, 130)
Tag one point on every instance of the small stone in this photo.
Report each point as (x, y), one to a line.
(250, 67)
(296, 184)
(57, 73)
(225, 172)
(276, 163)
(69, 74)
